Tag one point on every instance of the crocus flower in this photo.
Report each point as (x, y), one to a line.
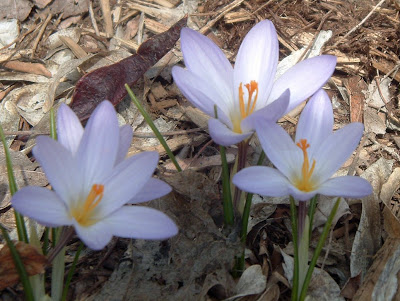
(249, 89)
(92, 182)
(305, 166)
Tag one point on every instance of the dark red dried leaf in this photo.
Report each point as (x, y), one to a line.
(108, 82)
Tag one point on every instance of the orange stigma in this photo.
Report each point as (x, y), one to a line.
(83, 213)
(251, 103)
(304, 183)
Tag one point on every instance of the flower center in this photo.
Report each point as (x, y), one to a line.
(83, 213)
(246, 109)
(305, 183)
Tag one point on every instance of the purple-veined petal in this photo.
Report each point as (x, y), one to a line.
(141, 223)
(222, 135)
(126, 180)
(99, 145)
(316, 121)
(42, 205)
(153, 189)
(257, 60)
(346, 186)
(262, 180)
(125, 139)
(60, 168)
(335, 150)
(203, 58)
(279, 148)
(201, 94)
(271, 112)
(96, 236)
(304, 79)
(69, 128)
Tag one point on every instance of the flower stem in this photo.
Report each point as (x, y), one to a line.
(71, 272)
(318, 250)
(293, 218)
(245, 220)
(65, 236)
(311, 212)
(242, 155)
(153, 127)
(226, 189)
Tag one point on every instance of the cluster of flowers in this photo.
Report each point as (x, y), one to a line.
(93, 184)
(248, 98)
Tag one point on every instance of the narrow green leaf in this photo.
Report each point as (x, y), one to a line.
(293, 218)
(71, 272)
(318, 249)
(153, 127)
(19, 219)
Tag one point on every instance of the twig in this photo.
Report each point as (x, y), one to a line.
(359, 24)
(305, 53)
(223, 12)
(39, 36)
(105, 8)
(93, 19)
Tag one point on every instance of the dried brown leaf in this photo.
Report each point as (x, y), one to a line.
(34, 263)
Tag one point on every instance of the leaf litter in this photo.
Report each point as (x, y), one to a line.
(360, 251)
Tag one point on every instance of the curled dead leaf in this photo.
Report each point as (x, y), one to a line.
(34, 263)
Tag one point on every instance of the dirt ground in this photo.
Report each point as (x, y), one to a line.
(54, 43)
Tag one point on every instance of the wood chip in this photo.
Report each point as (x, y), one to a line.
(75, 48)
(32, 68)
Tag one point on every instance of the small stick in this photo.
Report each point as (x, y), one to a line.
(105, 8)
(35, 44)
(93, 19)
(223, 12)
(359, 24)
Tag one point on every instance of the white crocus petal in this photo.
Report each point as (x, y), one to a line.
(207, 61)
(42, 205)
(257, 60)
(201, 94)
(69, 128)
(271, 112)
(89, 185)
(126, 180)
(304, 79)
(262, 180)
(98, 149)
(153, 189)
(125, 140)
(141, 223)
(346, 186)
(222, 135)
(316, 121)
(335, 150)
(280, 148)
(59, 166)
(301, 195)
(96, 236)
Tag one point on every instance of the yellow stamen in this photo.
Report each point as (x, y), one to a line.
(251, 103)
(83, 212)
(305, 184)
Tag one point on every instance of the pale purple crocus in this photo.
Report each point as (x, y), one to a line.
(92, 182)
(249, 89)
(305, 166)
